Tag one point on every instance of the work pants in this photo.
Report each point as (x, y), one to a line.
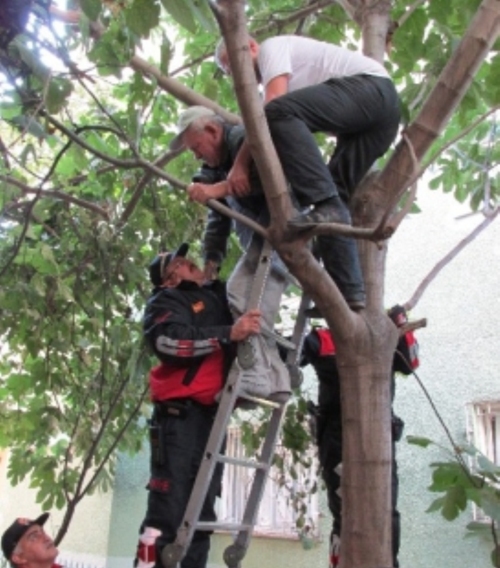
(175, 461)
(269, 374)
(362, 111)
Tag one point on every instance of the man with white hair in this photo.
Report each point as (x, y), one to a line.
(216, 142)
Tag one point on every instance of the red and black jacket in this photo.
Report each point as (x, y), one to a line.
(188, 328)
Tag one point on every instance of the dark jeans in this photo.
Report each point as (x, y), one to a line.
(329, 439)
(341, 260)
(174, 465)
(363, 113)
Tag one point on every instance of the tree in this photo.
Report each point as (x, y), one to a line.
(87, 189)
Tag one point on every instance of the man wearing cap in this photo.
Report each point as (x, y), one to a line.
(26, 544)
(216, 142)
(189, 327)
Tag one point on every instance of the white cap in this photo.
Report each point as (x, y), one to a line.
(186, 118)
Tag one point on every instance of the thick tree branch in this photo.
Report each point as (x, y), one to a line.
(451, 86)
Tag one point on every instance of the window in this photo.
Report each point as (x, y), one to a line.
(277, 516)
(483, 429)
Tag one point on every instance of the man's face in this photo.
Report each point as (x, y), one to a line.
(205, 144)
(35, 547)
(182, 269)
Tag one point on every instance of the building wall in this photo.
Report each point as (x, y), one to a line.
(459, 363)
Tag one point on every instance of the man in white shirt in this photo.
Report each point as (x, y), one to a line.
(312, 86)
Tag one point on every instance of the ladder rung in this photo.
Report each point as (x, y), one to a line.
(261, 401)
(206, 526)
(243, 462)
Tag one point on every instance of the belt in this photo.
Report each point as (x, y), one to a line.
(179, 406)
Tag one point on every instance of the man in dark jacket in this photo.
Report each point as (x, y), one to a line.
(188, 325)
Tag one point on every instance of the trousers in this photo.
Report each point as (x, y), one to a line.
(363, 113)
(178, 445)
(268, 374)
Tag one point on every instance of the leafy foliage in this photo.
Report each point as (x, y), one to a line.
(463, 482)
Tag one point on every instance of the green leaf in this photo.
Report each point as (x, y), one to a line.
(166, 54)
(419, 441)
(487, 465)
(10, 110)
(444, 475)
(477, 528)
(142, 17)
(203, 15)
(28, 150)
(32, 59)
(57, 93)
(490, 503)
(91, 8)
(455, 501)
(436, 505)
(181, 12)
(29, 124)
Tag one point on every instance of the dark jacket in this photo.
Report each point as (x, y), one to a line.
(188, 328)
(219, 226)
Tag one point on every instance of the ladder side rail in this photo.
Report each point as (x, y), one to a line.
(260, 478)
(206, 470)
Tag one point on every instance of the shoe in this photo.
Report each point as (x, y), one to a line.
(281, 397)
(322, 213)
(313, 313)
(254, 385)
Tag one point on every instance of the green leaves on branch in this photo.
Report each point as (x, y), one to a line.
(142, 17)
(91, 8)
(190, 14)
(467, 477)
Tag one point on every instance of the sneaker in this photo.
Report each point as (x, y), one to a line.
(322, 213)
(254, 385)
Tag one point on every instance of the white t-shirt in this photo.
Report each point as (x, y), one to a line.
(309, 62)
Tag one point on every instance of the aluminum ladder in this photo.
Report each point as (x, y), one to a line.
(173, 553)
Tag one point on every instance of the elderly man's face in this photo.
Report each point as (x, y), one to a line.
(35, 547)
(205, 144)
(182, 269)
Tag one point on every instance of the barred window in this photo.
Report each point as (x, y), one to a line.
(483, 430)
(288, 498)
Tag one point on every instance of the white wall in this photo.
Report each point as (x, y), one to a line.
(460, 359)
